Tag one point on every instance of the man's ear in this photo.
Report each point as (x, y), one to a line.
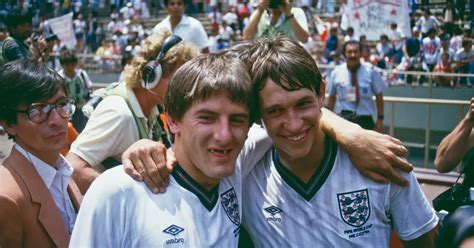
(322, 92)
(173, 124)
(9, 128)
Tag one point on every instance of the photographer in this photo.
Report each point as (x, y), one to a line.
(15, 45)
(276, 17)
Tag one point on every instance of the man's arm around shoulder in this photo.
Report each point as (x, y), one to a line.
(83, 174)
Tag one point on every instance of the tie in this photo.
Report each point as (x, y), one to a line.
(354, 83)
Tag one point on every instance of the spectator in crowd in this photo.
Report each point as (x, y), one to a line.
(446, 49)
(411, 60)
(383, 52)
(128, 12)
(79, 29)
(215, 17)
(280, 19)
(129, 109)
(15, 46)
(38, 199)
(351, 87)
(243, 12)
(3, 36)
(397, 39)
(456, 40)
(186, 27)
(350, 35)
(231, 18)
(226, 32)
(365, 54)
(426, 22)
(464, 59)
(456, 144)
(443, 66)
(333, 43)
(430, 45)
(78, 86)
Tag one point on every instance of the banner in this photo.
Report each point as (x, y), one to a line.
(373, 17)
(62, 27)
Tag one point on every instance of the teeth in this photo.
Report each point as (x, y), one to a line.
(296, 138)
(220, 151)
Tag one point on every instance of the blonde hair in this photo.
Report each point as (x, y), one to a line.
(176, 56)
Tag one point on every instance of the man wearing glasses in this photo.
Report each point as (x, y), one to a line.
(38, 199)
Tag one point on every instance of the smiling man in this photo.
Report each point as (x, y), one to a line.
(38, 198)
(305, 190)
(209, 108)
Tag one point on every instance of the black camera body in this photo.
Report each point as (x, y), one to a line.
(274, 4)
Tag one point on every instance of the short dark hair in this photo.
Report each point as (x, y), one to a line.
(167, 1)
(285, 62)
(351, 42)
(23, 82)
(67, 57)
(17, 17)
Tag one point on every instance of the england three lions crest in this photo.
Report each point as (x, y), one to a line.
(354, 207)
(231, 205)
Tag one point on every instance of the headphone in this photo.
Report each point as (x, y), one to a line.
(153, 71)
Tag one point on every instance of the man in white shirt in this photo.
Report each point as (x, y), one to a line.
(38, 198)
(209, 110)
(186, 27)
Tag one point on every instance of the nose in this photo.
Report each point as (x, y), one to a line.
(223, 132)
(294, 122)
(55, 119)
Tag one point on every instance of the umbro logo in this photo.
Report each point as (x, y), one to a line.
(174, 230)
(272, 210)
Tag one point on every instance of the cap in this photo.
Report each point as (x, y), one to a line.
(415, 30)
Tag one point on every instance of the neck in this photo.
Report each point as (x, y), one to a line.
(145, 100)
(174, 20)
(191, 169)
(70, 74)
(305, 167)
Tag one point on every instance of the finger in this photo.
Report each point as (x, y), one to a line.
(171, 161)
(150, 183)
(128, 168)
(400, 150)
(161, 170)
(151, 168)
(402, 164)
(376, 177)
(393, 176)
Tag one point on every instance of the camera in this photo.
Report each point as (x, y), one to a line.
(51, 37)
(275, 3)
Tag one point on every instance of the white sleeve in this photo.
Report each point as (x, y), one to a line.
(102, 218)
(200, 36)
(300, 17)
(111, 129)
(255, 147)
(411, 212)
(87, 79)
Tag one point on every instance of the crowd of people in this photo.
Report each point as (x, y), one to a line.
(204, 147)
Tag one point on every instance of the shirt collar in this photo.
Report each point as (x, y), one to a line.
(46, 171)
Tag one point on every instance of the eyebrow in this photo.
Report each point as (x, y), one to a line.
(210, 112)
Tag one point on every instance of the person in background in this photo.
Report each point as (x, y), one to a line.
(443, 66)
(186, 27)
(333, 42)
(351, 87)
(397, 39)
(464, 60)
(277, 17)
(78, 86)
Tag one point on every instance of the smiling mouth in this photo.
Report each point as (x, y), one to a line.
(298, 137)
(219, 152)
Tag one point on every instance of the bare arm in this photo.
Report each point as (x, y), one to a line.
(380, 111)
(453, 147)
(251, 29)
(300, 34)
(83, 174)
(424, 241)
(381, 153)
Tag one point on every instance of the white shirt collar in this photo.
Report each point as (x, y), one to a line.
(46, 171)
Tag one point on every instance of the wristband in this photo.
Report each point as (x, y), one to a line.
(380, 117)
(289, 17)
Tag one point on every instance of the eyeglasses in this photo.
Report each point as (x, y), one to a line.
(40, 112)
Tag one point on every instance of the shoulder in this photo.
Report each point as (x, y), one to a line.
(113, 182)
